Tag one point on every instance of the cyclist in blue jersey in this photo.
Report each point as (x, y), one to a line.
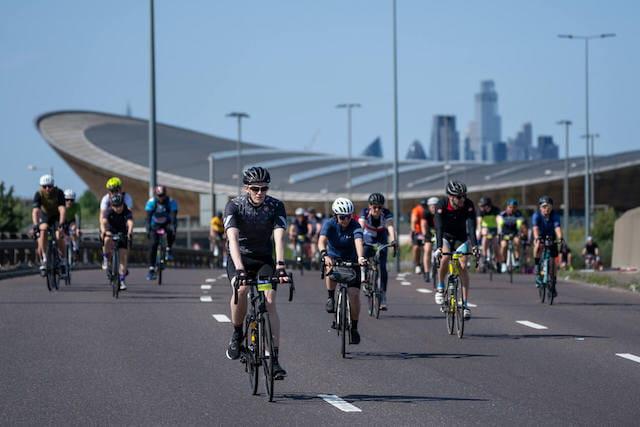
(546, 223)
(162, 212)
(377, 225)
(341, 239)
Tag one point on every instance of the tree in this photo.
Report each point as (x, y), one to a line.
(12, 213)
(89, 208)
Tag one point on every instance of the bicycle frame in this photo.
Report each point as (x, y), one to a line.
(547, 271)
(453, 305)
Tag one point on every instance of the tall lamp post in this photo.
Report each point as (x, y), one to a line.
(152, 101)
(565, 187)
(212, 159)
(35, 168)
(592, 165)
(396, 177)
(239, 116)
(349, 107)
(587, 215)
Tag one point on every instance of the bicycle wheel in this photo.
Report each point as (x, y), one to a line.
(459, 313)
(542, 290)
(251, 350)
(67, 277)
(490, 264)
(343, 321)
(115, 272)
(48, 269)
(552, 288)
(450, 310)
(266, 346)
(53, 267)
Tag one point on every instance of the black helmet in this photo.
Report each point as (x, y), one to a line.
(484, 201)
(545, 200)
(376, 199)
(161, 190)
(456, 188)
(256, 174)
(117, 200)
(424, 202)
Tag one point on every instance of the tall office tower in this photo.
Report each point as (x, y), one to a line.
(416, 152)
(374, 149)
(445, 141)
(547, 150)
(486, 128)
(521, 147)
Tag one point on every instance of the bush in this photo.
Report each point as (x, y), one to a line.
(14, 214)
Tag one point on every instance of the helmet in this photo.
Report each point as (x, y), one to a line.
(160, 190)
(319, 215)
(117, 200)
(256, 174)
(69, 194)
(424, 202)
(376, 199)
(114, 183)
(46, 180)
(484, 201)
(299, 211)
(512, 202)
(432, 201)
(589, 238)
(342, 206)
(456, 188)
(545, 200)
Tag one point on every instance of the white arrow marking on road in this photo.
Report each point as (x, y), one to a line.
(210, 280)
(221, 318)
(206, 299)
(424, 291)
(629, 356)
(531, 324)
(205, 287)
(405, 283)
(339, 403)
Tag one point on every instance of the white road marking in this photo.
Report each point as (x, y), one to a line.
(339, 403)
(471, 305)
(424, 291)
(206, 298)
(531, 324)
(629, 356)
(210, 280)
(579, 339)
(222, 276)
(221, 318)
(205, 287)
(405, 283)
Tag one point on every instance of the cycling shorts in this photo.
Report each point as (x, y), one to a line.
(251, 266)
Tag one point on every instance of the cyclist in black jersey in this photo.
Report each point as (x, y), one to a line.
(428, 229)
(301, 228)
(48, 211)
(250, 221)
(455, 222)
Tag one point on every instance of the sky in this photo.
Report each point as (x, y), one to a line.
(288, 63)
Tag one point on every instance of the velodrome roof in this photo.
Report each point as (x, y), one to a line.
(119, 144)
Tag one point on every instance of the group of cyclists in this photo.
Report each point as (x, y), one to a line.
(54, 209)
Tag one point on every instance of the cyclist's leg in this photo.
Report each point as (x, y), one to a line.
(42, 241)
(384, 275)
(153, 248)
(354, 299)
(108, 243)
(428, 249)
(238, 311)
(464, 273)
(171, 236)
(503, 249)
(485, 241)
(273, 316)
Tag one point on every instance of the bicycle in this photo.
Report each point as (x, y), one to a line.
(489, 261)
(548, 284)
(53, 260)
(453, 305)
(70, 260)
(113, 272)
(161, 253)
(373, 284)
(510, 261)
(258, 349)
(300, 252)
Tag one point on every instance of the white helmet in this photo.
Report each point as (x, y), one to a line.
(299, 211)
(69, 194)
(432, 201)
(46, 180)
(342, 206)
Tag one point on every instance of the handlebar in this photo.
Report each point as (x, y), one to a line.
(379, 247)
(254, 282)
(462, 254)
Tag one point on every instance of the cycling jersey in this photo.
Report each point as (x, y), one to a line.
(510, 224)
(590, 249)
(341, 241)
(301, 227)
(117, 222)
(216, 225)
(455, 224)
(430, 218)
(546, 226)
(161, 214)
(489, 219)
(416, 214)
(106, 201)
(70, 214)
(255, 223)
(48, 202)
(375, 229)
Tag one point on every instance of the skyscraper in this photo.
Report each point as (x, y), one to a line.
(521, 147)
(445, 142)
(374, 149)
(486, 129)
(547, 150)
(416, 152)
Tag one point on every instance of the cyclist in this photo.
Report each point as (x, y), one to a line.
(546, 223)
(218, 238)
(455, 222)
(428, 229)
(509, 223)
(251, 220)
(114, 186)
(566, 258)
(487, 225)
(417, 234)
(162, 212)
(301, 228)
(48, 211)
(591, 254)
(524, 234)
(315, 230)
(377, 225)
(118, 219)
(71, 228)
(341, 239)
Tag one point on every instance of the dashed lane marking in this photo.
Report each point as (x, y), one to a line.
(221, 318)
(205, 287)
(206, 298)
(424, 291)
(471, 305)
(210, 280)
(531, 324)
(222, 276)
(339, 403)
(629, 356)
(405, 283)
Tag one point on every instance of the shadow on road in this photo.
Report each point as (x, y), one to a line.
(360, 355)
(398, 398)
(600, 304)
(528, 336)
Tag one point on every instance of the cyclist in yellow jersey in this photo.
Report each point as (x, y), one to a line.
(217, 238)
(487, 225)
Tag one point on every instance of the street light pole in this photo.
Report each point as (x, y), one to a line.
(153, 152)
(239, 116)
(396, 178)
(349, 107)
(211, 184)
(565, 188)
(587, 192)
(592, 184)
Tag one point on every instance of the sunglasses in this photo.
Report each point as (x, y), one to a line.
(376, 207)
(459, 197)
(343, 217)
(257, 189)
(545, 206)
(47, 186)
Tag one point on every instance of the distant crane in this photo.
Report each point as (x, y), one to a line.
(311, 143)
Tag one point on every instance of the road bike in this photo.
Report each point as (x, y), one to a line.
(453, 305)
(161, 254)
(547, 285)
(258, 347)
(488, 261)
(301, 255)
(113, 271)
(511, 256)
(373, 285)
(52, 272)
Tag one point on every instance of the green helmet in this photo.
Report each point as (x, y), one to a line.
(114, 183)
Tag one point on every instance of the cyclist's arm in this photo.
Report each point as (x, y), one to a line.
(437, 222)
(558, 231)
(359, 247)
(596, 251)
(322, 243)
(392, 231)
(234, 247)
(361, 222)
(424, 227)
(174, 214)
(130, 226)
(499, 223)
(471, 226)
(104, 224)
(62, 211)
(35, 212)
(278, 238)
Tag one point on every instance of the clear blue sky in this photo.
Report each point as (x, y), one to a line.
(288, 63)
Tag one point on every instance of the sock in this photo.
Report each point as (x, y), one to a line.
(122, 276)
(354, 324)
(537, 261)
(238, 329)
(332, 294)
(275, 353)
(441, 285)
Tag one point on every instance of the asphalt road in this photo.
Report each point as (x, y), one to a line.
(157, 357)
